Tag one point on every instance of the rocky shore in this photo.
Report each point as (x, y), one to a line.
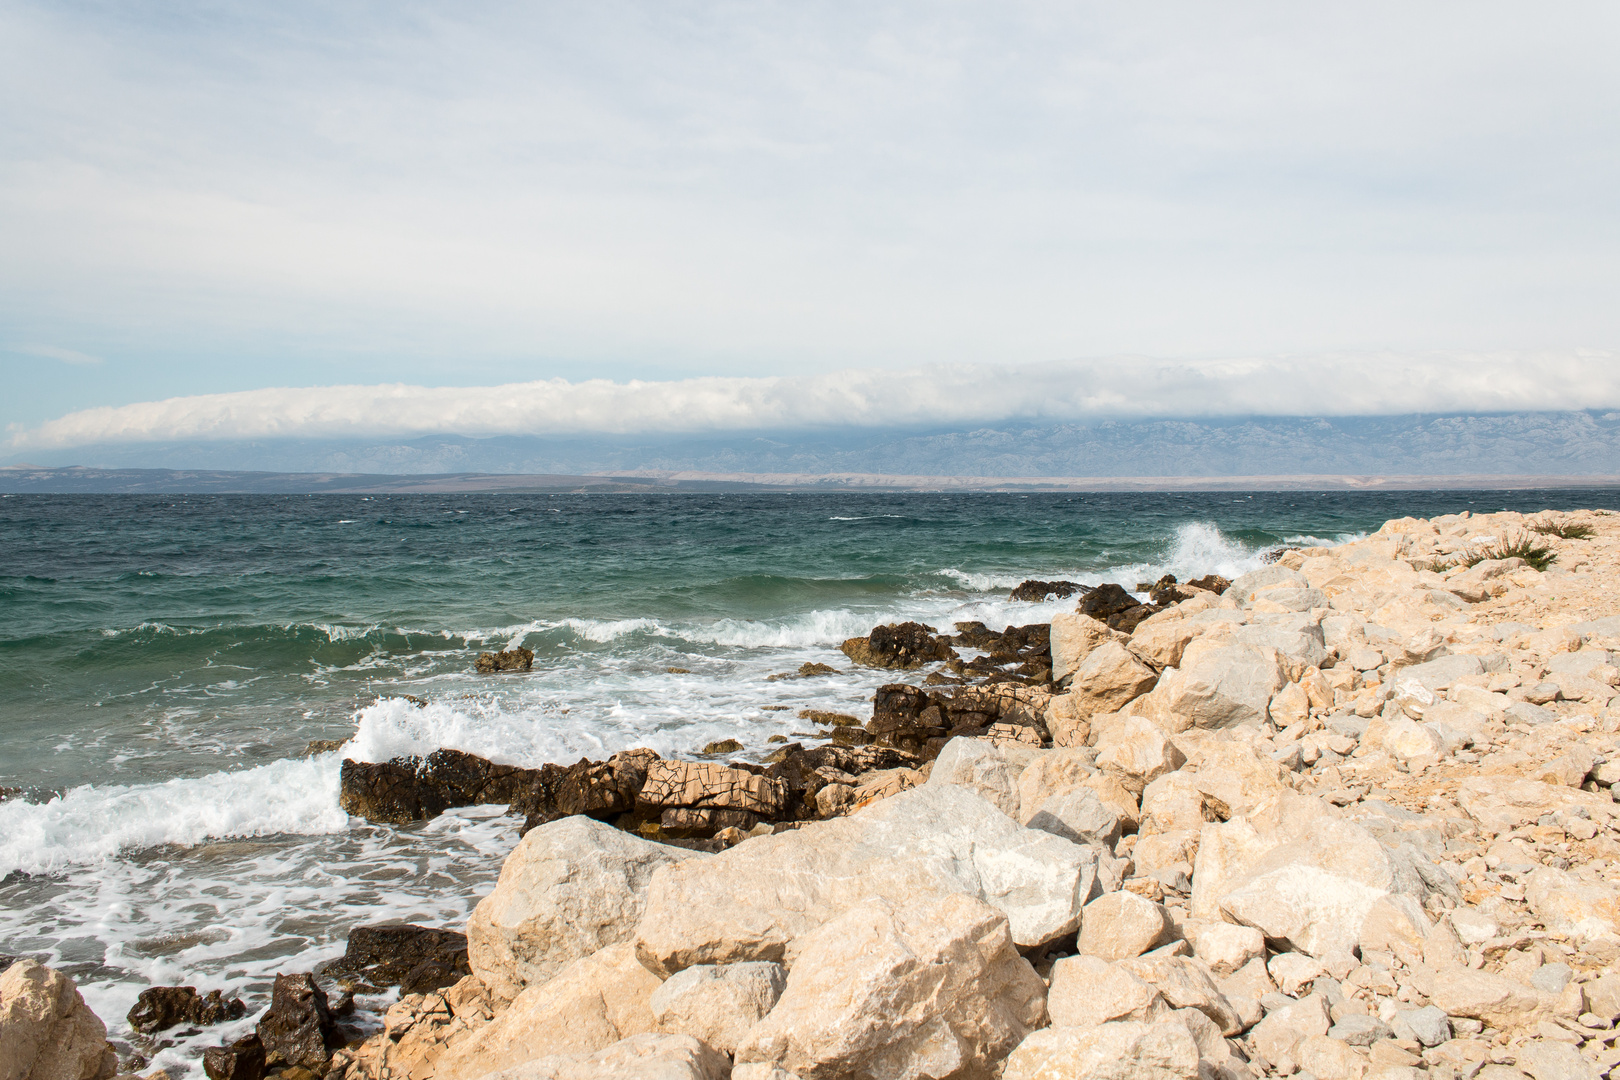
(1350, 816)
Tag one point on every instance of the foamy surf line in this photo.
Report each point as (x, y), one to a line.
(90, 824)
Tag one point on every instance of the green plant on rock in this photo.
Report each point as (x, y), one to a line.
(1522, 546)
(1564, 530)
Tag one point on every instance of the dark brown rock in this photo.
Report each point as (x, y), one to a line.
(417, 959)
(796, 767)
(414, 789)
(1127, 621)
(298, 1028)
(904, 645)
(518, 659)
(244, 1059)
(905, 718)
(1212, 582)
(162, 1007)
(1036, 591)
(1106, 600)
(703, 822)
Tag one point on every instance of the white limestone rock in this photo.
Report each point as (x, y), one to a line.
(1126, 1050)
(47, 1032)
(640, 1057)
(927, 987)
(569, 889)
(717, 1003)
(758, 900)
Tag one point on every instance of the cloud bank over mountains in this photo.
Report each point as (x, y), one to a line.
(949, 396)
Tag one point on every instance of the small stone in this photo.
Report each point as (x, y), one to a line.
(1121, 925)
(1555, 1061)
(724, 746)
(1551, 978)
(1360, 1030)
(1429, 1025)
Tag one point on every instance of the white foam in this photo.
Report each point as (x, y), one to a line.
(606, 630)
(987, 582)
(90, 824)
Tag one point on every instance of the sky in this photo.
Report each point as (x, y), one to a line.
(225, 220)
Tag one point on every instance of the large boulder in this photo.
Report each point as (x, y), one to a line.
(1088, 990)
(1109, 678)
(1310, 885)
(418, 1030)
(640, 1057)
(1588, 913)
(1137, 752)
(1074, 636)
(1078, 815)
(47, 1032)
(589, 1005)
(1120, 925)
(1481, 995)
(759, 900)
(718, 1003)
(986, 768)
(1217, 686)
(569, 889)
(930, 986)
(903, 645)
(1124, 1050)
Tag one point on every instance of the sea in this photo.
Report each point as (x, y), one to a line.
(165, 662)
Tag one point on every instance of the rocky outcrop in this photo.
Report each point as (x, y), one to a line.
(162, 1007)
(640, 1057)
(518, 659)
(417, 959)
(903, 645)
(570, 889)
(47, 1032)
(1035, 591)
(414, 789)
(243, 1059)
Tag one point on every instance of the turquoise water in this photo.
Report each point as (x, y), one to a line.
(165, 660)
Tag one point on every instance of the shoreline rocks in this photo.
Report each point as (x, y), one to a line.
(1350, 817)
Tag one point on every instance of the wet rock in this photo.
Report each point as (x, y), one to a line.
(518, 659)
(904, 645)
(323, 746)
(417, 959)
(906, 718)
(162, 1007)
(723, 746)
(298, 1028)
(243, 1059)
(46, 1029)
(1107, 600)
(1128, 620)
(1036, 591)
(1212, 582)
(414, 789)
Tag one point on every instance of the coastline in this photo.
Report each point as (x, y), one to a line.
(1166, 733)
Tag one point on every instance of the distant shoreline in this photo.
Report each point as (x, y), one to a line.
(26, 479)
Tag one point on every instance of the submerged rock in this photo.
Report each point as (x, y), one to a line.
(1106, 600)
(518, 659)
(1036, 591)
(903, 645)
(417, 959)
(161, 1007)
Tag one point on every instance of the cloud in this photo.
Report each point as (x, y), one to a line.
(52, 352)
(1122, 387)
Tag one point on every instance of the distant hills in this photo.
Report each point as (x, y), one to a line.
(1564, 445)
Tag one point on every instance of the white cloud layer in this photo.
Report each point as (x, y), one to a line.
(1125, 387)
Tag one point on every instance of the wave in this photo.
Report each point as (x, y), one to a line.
(90, 823)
